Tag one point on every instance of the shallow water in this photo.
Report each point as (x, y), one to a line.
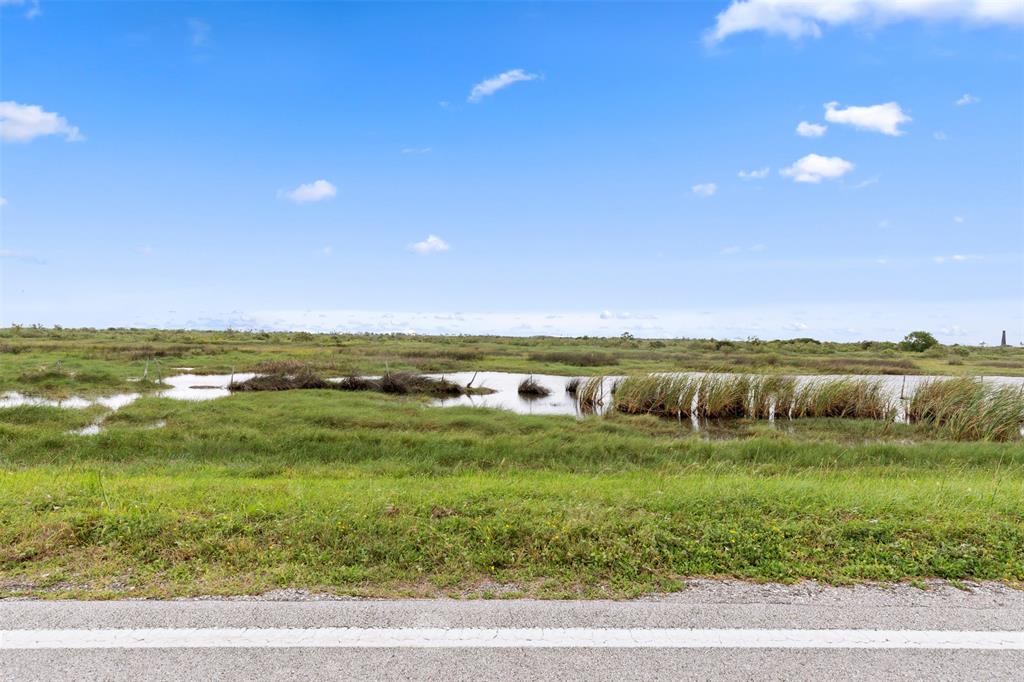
(506, 393)
(182, 387)
(504, 385)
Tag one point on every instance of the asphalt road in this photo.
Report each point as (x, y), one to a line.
(800, 611)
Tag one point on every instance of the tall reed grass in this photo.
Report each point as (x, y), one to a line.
(963, 409)
(844, 398)
(968, 409)
(665, 395)
(590, 395)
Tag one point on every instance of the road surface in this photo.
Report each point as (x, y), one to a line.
(713, 630)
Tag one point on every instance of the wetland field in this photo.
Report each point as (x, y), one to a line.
(149, 463)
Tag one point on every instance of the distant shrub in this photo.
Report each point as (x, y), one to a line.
(918, 341)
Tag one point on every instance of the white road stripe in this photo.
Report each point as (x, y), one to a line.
(573, 638)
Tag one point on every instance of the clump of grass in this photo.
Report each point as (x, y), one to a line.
(354, 383)
(572, 386)
(530, 388)
(967, 409)
(723, 397)
(664, 395)
(844, 398)
(415, 383)
(590, 395)
(771, 396)
(304, 378)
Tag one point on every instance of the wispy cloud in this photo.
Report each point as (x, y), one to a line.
(705, 189)
(318, 190)
(757, 174)
(880, 118)
(814, 167)
(805, 129)
(33, 10)
(416, 151)
(796, 19)
(955, 258)
(495, 83)
(25, 122)
(432, 244)
(967, 98)
(23, 256)
(958, 219)
(940, 136)
(199, 32)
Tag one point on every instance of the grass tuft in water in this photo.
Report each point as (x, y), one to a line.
(530, 388)
(967, 409)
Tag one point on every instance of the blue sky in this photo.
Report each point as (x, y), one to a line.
(328, 166)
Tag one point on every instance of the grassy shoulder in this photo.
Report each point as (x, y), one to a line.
(376, 495)
(93, 362)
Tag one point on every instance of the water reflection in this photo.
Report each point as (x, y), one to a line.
(506, 393)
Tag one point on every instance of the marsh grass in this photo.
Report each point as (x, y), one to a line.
(771, 397)
(531, 388)
(590, 395)
(723, 396)
(572, 385)
(303, 377)
(843, 398)
(968, 409)
(367, 493)
(664, 395)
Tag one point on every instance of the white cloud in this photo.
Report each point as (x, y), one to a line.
(705, 189)
(813, 167)
(940, 136)
(806, 18)
(25, 122)
(416, 151)
(313, 191)
(758, 174)
(199, 32)
(805, 129)
(502, 80)
(33, 10)
(955, 258)
(881, 118)
(432, 244)
(866, 183)
(958, 219)
(966, 99)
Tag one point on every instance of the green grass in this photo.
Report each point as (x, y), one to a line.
(377, 494)
(93, 362)
(363, 493)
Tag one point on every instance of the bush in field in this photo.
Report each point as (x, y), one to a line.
(918, 341)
